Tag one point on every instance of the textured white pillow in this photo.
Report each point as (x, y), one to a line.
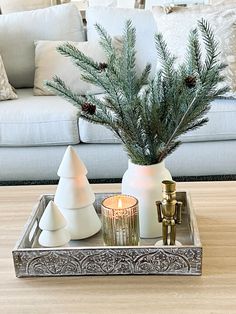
(113, 20)
(6, 91)
(176, 26)
(49, 62)
(18, 31)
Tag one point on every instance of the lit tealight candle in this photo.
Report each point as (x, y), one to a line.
(120, 222)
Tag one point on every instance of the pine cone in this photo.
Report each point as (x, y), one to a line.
(88, 108)
(190, 81)
(102, 66)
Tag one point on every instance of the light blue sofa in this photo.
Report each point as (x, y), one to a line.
(35, 130)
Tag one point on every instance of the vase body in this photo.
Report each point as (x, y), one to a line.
(145, 183)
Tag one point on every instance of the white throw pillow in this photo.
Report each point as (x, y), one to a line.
(49, 62)
(113, 20)
(18, 31)
(6, 91)
(175, 27)
(10, 6)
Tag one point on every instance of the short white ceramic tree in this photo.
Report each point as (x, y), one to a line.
(75, 198)
(52, 224)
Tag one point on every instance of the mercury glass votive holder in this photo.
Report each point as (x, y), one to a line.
(120, 220)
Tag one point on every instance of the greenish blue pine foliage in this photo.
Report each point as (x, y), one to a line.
(148, 114)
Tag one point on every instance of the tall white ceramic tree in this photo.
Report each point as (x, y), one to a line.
(75, 197)
(52, 224)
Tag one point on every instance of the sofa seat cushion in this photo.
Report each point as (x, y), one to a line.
(221, 126)
(37, 121)
(95, 133)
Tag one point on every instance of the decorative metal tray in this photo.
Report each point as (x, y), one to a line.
(91, 257)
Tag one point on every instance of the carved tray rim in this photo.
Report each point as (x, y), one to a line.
(196, 248)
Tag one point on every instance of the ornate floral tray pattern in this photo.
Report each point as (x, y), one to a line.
(90, 257)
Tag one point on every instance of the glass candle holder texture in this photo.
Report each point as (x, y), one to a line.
(120, 221)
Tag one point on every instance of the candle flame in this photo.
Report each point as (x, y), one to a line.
(119, 203)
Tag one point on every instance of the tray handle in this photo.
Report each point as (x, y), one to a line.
(33, 233)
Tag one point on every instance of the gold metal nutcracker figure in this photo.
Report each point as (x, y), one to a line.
(169, 211)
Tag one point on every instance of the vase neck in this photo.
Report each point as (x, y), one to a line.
(155, 168)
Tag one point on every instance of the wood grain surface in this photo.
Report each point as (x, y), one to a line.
(213, 292)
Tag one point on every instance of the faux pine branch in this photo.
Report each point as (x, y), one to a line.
(147, 114)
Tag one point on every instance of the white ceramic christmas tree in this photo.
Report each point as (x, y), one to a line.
(52, 224)
(75, 197)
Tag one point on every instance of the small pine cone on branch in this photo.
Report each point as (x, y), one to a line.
(88, 108)
(190, 81)
(102, 66)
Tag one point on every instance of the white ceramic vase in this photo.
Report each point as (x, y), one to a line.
(145, 183)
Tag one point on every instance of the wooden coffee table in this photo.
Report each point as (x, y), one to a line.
(213, 292)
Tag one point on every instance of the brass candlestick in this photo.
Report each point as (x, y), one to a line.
(169, 212)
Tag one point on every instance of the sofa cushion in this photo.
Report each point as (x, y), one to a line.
(113, 20)
(49, 63)
(221, 126)
(18, 31)
(6, 91)
(95, 133)
(24, 5)
(176, 25)
(37, 121)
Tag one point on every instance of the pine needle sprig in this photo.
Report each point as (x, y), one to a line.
(148, 115)
(210, 42)
(69, 50)
(144, 78)
(166, 59)
(194, 53)
(105, 41)
(59, 87)
(128, 70)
